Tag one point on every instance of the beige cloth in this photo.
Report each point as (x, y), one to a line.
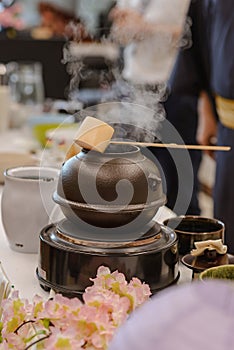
(201, 246)
(225, 108)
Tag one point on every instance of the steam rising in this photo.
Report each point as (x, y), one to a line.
(133, 106)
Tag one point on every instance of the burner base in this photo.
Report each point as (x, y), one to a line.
(69, 293)
(67, 267)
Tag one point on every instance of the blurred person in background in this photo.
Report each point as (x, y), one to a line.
(60, 20)
(216, 104)
(151, 33)
(181, 109)
(209, 64)
(149, 30)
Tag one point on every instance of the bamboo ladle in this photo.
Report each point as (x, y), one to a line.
(96, 135)
(174, 145)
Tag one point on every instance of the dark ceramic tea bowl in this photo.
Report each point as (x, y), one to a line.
(190, 229)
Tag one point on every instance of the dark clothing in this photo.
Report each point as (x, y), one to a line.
(181, 112)
(224, 185)
(221, 42)
(209, 65)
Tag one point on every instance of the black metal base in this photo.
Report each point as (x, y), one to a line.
(47, 286)
(67, 267)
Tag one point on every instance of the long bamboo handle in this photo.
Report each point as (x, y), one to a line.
(174, 145)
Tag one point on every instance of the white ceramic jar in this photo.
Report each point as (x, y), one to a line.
(27, 205)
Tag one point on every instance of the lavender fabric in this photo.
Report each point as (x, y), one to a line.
(193, 316)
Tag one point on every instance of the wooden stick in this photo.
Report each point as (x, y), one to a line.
(173, 145)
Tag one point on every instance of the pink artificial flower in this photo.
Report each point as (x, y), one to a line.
(37, 306)
(67, 340)
(139, 291)
(13, 341)
(106, 280)
(15, 311)
(60, 309)
(94, 323)
(99, 281)
(116, 307)
(69, 323)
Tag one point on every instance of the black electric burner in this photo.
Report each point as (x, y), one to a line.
(70, 256)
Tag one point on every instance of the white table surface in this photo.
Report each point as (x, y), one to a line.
(21, 268)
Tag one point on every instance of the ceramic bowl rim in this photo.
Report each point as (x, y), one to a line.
(8, 173)
(214, 268)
